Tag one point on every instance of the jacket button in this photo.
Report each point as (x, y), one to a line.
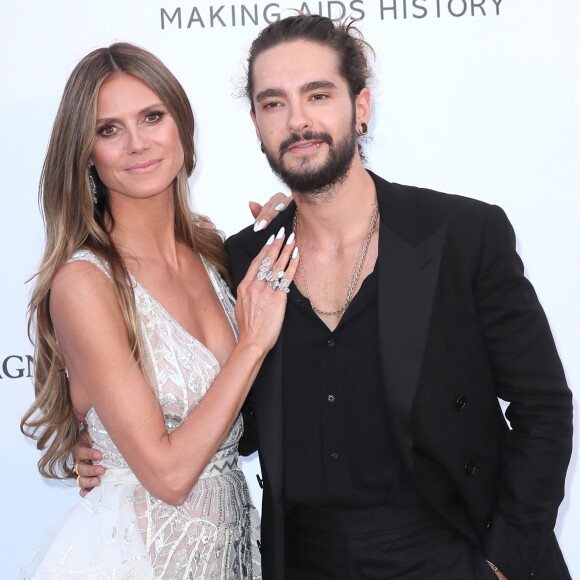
(460, 402)
(488, 525)
(469, 467)
(260, 481)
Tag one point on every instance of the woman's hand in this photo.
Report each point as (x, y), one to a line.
(87, 473)
(261, 295)
(264, 214)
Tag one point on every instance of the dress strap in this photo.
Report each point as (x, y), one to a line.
(89, 256)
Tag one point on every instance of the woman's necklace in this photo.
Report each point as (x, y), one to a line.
(362, 254)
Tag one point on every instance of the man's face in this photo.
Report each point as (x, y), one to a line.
(304, 115)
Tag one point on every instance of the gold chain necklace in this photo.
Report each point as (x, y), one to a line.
(362, 254)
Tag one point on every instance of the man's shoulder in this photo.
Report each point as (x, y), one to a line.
(250, 242)
(426, 199)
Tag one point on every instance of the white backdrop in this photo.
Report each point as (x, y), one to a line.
(475, 97)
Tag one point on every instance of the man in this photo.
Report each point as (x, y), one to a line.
(383, 448)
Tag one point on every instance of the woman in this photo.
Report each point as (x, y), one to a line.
(134, 324)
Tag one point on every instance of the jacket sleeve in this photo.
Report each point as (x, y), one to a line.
(529, 376)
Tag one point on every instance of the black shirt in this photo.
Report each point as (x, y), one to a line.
(338, 449)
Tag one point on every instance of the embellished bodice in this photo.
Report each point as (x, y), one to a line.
(179, 367)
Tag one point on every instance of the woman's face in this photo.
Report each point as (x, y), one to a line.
(137, 151)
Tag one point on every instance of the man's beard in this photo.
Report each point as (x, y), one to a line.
(315, 180)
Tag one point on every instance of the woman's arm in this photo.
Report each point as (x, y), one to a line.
(104, 374)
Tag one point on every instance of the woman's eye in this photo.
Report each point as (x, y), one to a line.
(107, 131)
(153, 117)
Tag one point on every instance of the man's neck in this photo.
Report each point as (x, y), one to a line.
(341, 212)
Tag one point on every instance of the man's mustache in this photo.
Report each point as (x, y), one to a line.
(306, 136)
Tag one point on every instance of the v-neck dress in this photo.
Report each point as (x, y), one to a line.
(120, 530)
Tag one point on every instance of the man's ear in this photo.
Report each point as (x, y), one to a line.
(253, 116)
(362, 106)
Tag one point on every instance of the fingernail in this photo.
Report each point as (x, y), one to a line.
(280, 207)
(290, 239)
(260, 225)
(270, 240)
(280, 233)
(295, 252)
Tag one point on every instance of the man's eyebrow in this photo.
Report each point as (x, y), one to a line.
(269, 93)
(316, 85)
(305, 88)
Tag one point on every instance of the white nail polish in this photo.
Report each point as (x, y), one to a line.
(270, 240)
(290, 239)
(260, 225)
(295, 252)
(280, 233)
(280, 207)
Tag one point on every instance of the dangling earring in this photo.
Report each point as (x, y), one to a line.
(92, 185)
(262, 147)
(363, 128)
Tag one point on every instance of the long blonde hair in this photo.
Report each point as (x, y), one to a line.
(73, 221)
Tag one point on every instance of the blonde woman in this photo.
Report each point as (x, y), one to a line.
(137, 335)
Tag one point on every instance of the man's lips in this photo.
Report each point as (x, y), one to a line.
(143, 166)
(304, 146)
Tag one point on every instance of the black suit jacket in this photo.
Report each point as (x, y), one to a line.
(460, 326)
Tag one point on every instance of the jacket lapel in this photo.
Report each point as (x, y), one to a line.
(268, 400)
(408, 268)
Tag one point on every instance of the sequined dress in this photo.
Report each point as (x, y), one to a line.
(119, 530)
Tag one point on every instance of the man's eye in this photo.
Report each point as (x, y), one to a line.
(318, 97)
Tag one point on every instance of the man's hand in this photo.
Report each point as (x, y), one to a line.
(84, 455)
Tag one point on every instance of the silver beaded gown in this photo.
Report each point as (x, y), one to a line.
(119, 530)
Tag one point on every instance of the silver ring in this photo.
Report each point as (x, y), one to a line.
(280, 274)
(284, 285)
(274, 283)
(264, 272)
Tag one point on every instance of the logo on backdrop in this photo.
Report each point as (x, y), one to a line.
(260, 15)
(16, 366)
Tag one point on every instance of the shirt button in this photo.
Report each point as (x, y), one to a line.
(334, 455)
(331, 342)
(469, 467)
(331, 398)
